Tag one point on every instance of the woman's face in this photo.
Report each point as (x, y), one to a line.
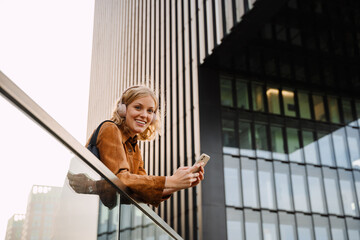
(139, 114)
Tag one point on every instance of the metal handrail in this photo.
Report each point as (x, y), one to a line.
(20, 99)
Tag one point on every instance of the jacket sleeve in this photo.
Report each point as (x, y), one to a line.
(147, 189)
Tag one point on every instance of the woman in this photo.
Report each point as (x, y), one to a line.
(136, 117)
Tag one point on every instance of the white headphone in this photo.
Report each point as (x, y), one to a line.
(122, 107)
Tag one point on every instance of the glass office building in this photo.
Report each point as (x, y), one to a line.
(268, 88)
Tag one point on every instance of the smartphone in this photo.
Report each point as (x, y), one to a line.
(203, 158)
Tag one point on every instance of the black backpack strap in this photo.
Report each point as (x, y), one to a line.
(95, 134)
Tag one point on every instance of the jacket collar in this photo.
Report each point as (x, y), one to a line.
(127, 138)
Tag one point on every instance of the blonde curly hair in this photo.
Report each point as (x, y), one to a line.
(130, 95)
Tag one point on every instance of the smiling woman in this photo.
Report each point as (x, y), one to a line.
(136, 117)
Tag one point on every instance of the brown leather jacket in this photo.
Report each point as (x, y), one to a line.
(121, 154)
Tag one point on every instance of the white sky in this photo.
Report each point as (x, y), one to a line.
(45, 48)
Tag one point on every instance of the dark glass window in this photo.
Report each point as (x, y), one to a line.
(242, 95)
(257, 97)
(273, 100)
(226, 92)
(304, 105)
(357, 105)
(245, 139)
(294, 150)
(346, 106)
(262, 147)
(232, 181)
(334, 110)
(289, 103)
(277, 143)
(319, 109)
(228, 130)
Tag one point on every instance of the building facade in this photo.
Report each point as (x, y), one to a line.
(14, 227)
(269, 89)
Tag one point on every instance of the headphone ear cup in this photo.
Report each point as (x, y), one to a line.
(154, 118)
(122, 110)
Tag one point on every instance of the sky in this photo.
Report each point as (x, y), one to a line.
(45, 49)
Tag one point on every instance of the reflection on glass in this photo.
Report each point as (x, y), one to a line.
(262, 147)
(340, 147)
(304, 227)
(357, 185)
(353, 138)
(321, 225)
(326, 149)
(310, 147)
(277, 143)
(348, 193)
(294, 150)
(304, 105)
(232, 181)
(332, 191)
(346, 106)
(252, 225)
(249, 181)
(245, 139)
(257, 97)
(317, 199)
(338, 229)
(353, 228)
(319, 108)
(282, 185)
(234, 224)
(287, 226)
(273, 100)
(269, 225)
(357, 106)
(266, 184)
(300, 192)
(334, 110)
(242, 95)
(228, 130)
(289, 103)
(226, 92)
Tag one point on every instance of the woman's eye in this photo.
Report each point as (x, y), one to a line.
(150, 111)
(137, 107)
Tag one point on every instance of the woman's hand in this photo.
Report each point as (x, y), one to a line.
(185, 177)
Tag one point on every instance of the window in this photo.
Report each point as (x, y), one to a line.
(319, 109)
(252, 225)
(234, 224)
(249, 181)
(353, 228)
(232, 181)
(353, 138)
(304, 227)
(269, 225)
(277, 143)
(282, 185)
(228, 133)
(346, 105)
(257, 97)
(287, 226)
(304, 105)
(245, 139)
(226, 92)
(340, 148)
(310, 147)
(326, 149)
(321, 225)
(357, 184)
(289, 103)
(348, 193)
(273, 100)
(299, 184)
(316, 189)
(262, 147)
(242, 95)
(266, 185)
(332, 191)
(294, 150)
(334, 110)
(338, 230)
